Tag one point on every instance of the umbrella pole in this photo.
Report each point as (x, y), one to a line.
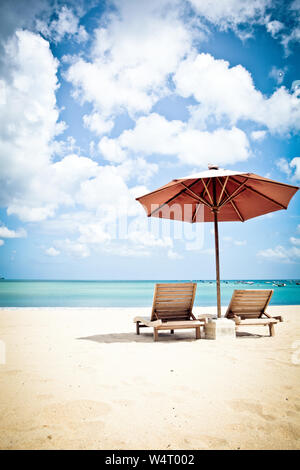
(217, 262)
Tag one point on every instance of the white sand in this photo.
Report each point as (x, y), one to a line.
(81, 378)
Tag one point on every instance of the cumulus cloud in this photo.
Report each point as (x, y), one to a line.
(52, 251)
(28, 119)
(295, 241)
(274, 26)
(134, 52)
(235, 242)
(66, 24)
(232, 13)
(97, 124)
(154, 134)
(292, 33)
(286, 254)
(73, 248)
(174, 255)
(258, 135)
(295, 163)
(8, 233)
(290, 168)
(224, 91)
(281, 254)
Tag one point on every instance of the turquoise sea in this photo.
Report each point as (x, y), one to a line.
(16, 293)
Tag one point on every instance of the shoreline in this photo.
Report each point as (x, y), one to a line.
(134, 307)
(81, 378)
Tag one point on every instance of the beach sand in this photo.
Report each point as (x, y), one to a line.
(79, 378)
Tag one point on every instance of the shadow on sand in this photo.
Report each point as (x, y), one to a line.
(134, 338)
(148, 337)
(240, 334)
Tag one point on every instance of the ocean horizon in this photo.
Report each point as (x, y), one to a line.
(130, 293)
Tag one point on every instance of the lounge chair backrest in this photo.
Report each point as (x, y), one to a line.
(250, 303)
(174, 301)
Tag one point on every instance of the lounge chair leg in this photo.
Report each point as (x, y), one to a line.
(198, 332)
(137, 327)
(155, 334)
(172, 332)
(272, 329)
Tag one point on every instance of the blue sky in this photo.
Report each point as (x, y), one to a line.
(103, 101)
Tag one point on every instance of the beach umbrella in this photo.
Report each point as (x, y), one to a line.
(222, 195)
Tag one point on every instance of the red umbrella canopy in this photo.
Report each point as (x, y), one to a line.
(235, 196)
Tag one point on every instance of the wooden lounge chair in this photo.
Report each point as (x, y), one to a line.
(248, 307)
(172, 309)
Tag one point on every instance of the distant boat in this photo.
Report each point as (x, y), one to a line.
(279, 285)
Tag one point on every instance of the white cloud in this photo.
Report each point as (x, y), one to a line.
(235, 242)
(291, 169)
(289, 254)
(295, 241)
(1, 242)
(31, 214)
(231, 13)
(240, 242)
(148, 239)
(7, 233)
(66, 24)
(73, 248)
(174, 255)
(284, 166)
(281, 254)
(111, 150)
(229, 92)
(274, 26)
(293, 26)
(139, 169)
(28, 122)
(127, 251)
(97, 124)
(134, 52)
(93, 233)
(258, 135)
(156, 135)
(295, 163)
(52, 251)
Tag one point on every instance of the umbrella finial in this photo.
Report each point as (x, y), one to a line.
(212, 167)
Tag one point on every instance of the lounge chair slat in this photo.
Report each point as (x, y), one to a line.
(172, 309)
(248, 307)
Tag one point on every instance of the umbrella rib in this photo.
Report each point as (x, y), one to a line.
(172, 198)
(237, 211)
(263, 195)
(234, 206)
(206, 190)
(196, 211)
(273, 182)
(223, 189)
(156, 191)
(199, 198)
(267, 197)
(235, 193)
